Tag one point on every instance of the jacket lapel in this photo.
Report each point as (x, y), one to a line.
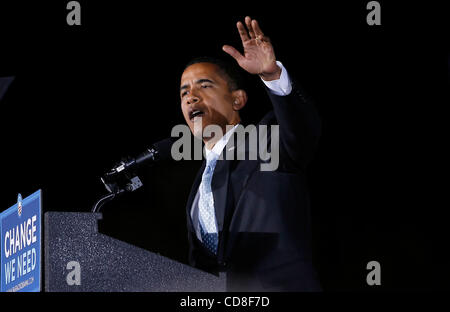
(222, 193)
(220, 183)
(194, 189)
(219, 186)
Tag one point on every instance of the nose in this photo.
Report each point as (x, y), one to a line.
(192, 98)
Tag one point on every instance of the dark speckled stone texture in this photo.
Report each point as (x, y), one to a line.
(108, 264)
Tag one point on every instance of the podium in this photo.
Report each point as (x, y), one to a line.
(77, 258)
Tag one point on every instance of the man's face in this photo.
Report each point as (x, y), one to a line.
(206, 98)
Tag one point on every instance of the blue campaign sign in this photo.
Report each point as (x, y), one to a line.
(20, 228)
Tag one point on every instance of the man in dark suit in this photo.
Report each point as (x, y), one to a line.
(252, 224)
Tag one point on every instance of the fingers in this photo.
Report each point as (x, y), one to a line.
(256, 29)
(253, 30)
(242, 32)
(248, 22)
(233, 52)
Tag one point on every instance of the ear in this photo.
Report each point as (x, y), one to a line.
(239, 99)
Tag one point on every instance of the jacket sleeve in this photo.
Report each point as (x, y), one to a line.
(299, 126)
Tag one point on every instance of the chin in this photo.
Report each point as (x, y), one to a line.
(196, 130)
(198, 127)
(197, 134)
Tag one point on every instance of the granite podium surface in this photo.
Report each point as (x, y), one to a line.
(80, 259)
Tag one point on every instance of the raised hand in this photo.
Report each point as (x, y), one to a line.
(259, 57)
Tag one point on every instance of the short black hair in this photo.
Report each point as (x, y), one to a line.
(228, 69)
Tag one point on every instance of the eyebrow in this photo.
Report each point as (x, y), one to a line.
(185, 86)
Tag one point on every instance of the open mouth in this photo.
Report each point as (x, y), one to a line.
(195, 113)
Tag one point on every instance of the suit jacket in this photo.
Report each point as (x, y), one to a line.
(263, 217)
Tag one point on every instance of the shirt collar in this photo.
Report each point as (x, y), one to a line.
(219, 146)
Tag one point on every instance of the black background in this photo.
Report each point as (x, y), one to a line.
(86, 96)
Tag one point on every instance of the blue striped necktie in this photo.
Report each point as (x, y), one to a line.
(207, 216)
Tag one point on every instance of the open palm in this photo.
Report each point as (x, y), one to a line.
(259, 56)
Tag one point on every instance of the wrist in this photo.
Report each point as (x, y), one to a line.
(275, 75)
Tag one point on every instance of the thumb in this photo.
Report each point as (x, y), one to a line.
(233, 52)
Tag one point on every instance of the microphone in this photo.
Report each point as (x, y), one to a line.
(121, 178)
(159, 151)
